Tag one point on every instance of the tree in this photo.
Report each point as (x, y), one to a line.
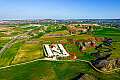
(63, 28)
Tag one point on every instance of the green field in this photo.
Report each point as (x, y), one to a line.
(27, 52)
(82, 55)
(115, 35)
(108, 32)
(7, 57)
(45, 70)
(71, 48)
(3, 42)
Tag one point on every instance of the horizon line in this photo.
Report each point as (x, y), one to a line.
(58, 19)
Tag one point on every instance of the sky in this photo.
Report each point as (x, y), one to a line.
(59, 9)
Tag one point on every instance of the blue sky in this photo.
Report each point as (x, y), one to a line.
(59, 9)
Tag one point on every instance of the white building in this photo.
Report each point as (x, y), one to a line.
(54, 50)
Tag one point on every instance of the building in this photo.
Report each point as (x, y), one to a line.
(54, 50)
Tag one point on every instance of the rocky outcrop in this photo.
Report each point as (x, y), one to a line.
(107, 65)
(83, 76)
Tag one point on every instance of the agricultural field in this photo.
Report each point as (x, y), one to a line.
(70, 47)
(65, 32)
(47, 70)
(30, 50)
(115, 35)
(3, 42)
(10, 31)
(81, 37)
(82, 55)
(54, 39)
(7, 57)
(59, 39)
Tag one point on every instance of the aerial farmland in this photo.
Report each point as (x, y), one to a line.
(43, 48)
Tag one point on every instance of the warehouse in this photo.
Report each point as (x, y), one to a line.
(54, 50)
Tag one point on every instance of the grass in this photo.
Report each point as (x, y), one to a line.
(116, 51)
(60, 32)
(13, 32)
(9, 54)
(108, 32)
(3, 42)
(81, 37)
(51, 40)
(45, 70)
(83, 55)
(40, 70)
(71, 48)
(64, 32)
(115, 35)
(28, 52)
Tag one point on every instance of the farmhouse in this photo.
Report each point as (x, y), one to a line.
(54, 51)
